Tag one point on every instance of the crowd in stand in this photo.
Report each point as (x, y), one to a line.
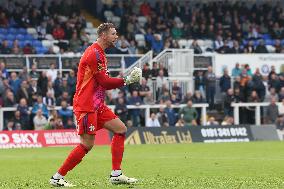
(235, 27)
(61, 19)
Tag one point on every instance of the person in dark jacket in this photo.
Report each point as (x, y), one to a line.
(121, 110)
(225, 82)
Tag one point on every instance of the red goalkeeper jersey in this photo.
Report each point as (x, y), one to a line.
(93, 80)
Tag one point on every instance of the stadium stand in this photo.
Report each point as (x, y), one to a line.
(217, 26)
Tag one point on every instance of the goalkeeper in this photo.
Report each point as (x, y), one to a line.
(90, 110)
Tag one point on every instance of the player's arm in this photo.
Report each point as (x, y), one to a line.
(111, 83)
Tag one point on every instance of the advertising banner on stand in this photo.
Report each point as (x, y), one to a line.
(171, 135)
(261, 61)
(46, 138)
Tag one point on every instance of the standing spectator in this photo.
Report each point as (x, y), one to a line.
(171, 114)
(225, 82)
(75, 43)
(157, 44)
(121, 110)
(144, 89)
(58, 83)
(272, 94)
(135, 113)
(155, 70)
(199, 83)
(161, 80)
(210, 83)
(4, 70)
(52, 72)
(39, 120)
(261, 48)
(228, 100)
(153, 121)
(163, 117)
(42, 83)
(71, 82)
(188, 114)
(33, 73)
(176, 90)
(146, 72)
(272, 112)
(24, 114)
(258, 84)
(24, 92)
(236, 71)
(64, 112)
(14, 82)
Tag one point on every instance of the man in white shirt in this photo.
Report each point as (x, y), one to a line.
(153, 121)
(52, 72)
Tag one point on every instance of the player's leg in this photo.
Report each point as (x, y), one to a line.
(117, 148)
(77, 154)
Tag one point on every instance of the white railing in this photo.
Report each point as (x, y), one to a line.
(140, 62)
(117, 62)
(147, 109)
(253, 104)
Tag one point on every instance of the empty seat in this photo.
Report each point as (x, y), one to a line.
(10, 37)
(46, 43)
(20, 37)
(139, 37)
(22, 31)
(12, 31)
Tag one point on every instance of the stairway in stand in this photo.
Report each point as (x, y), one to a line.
(90, 18)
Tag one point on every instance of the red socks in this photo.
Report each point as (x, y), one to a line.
(117, 149)
(74, 158)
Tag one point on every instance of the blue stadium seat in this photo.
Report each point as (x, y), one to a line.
(28, 41)
(3, 31)
(255, 42)
(10, 43)
(10, 37)
(266, 36)
(41, 50)
(28, 37)
(12, 31)
(20, 37)
(21, 44)
(22, 31)
(37, 43)
(2, 36)
(269, 42)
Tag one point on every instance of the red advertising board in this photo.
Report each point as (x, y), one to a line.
(46, 138)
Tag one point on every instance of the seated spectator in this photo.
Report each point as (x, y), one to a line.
(261, 48)
(52, 72)
(278, 47)
(132, 48)
(49, 100)
(24, 92)
(249, 48)
(188, 114)
(164, 97)
(5, 49)
(180, 123)
(71, 83)
(146, 72)
(236, 49)
(39, 120)
(281, 94)
(174, 99)
(10, 126)
(212, 122)
(109, 98)
(64, 97)
(144, 89)
(272, 94)
(176, 90)
(3, 70)
(74, 42)
(228, 100)
(228, 120)
(196, 48)
(39, 105)
(18, 121)
(10, 100)
(155, 70)
(218, 43)
(58, 32)
(148, 99)
(28, 49)
(153, 121)
(70, 124)
(64, 112)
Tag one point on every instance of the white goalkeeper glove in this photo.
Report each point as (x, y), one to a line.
(135, 76)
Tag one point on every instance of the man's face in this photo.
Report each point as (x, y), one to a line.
(110, 37)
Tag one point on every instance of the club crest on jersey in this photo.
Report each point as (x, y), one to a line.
(91, 127)
(100, 66)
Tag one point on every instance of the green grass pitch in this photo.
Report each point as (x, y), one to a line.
(222, 165)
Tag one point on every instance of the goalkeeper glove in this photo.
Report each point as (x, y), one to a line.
(135, 76)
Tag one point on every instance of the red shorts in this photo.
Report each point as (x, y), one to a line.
(90, 122)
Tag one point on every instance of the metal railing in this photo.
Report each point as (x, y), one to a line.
(147, 109)
(257, 110)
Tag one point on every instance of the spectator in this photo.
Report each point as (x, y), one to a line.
(199, 82)
(24, 114)
(212, 122)
(52, 72)
(14, 82)
(9, 101)
(135, 113)
(4, 70)
(146, 72)
(281, 94)
(70, 124)
(236, 49)
(196, 48)
(261, 48)
(33, 73)
(188, 114)
(210, 82)
(162, 117)
(144, 89)
(236, 71)
(249, 48)
(161, 80)
(157, 44)
(39, 105)
(71, 82)
(155, 70)
(121, 110)
(49, 100)
(153, 121)
(180, 123)
(228, 120)
(24, 92)
(176, 90)
(74, 42)
(148, 99)
(171, 114)
(272, 112)
(225, 81)
(65, 113)
(17, 121)
(39, 120)
(5, 49)
(228, 100)
(28, 49)
(42, 83)
(10, 126)
(58, 32)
